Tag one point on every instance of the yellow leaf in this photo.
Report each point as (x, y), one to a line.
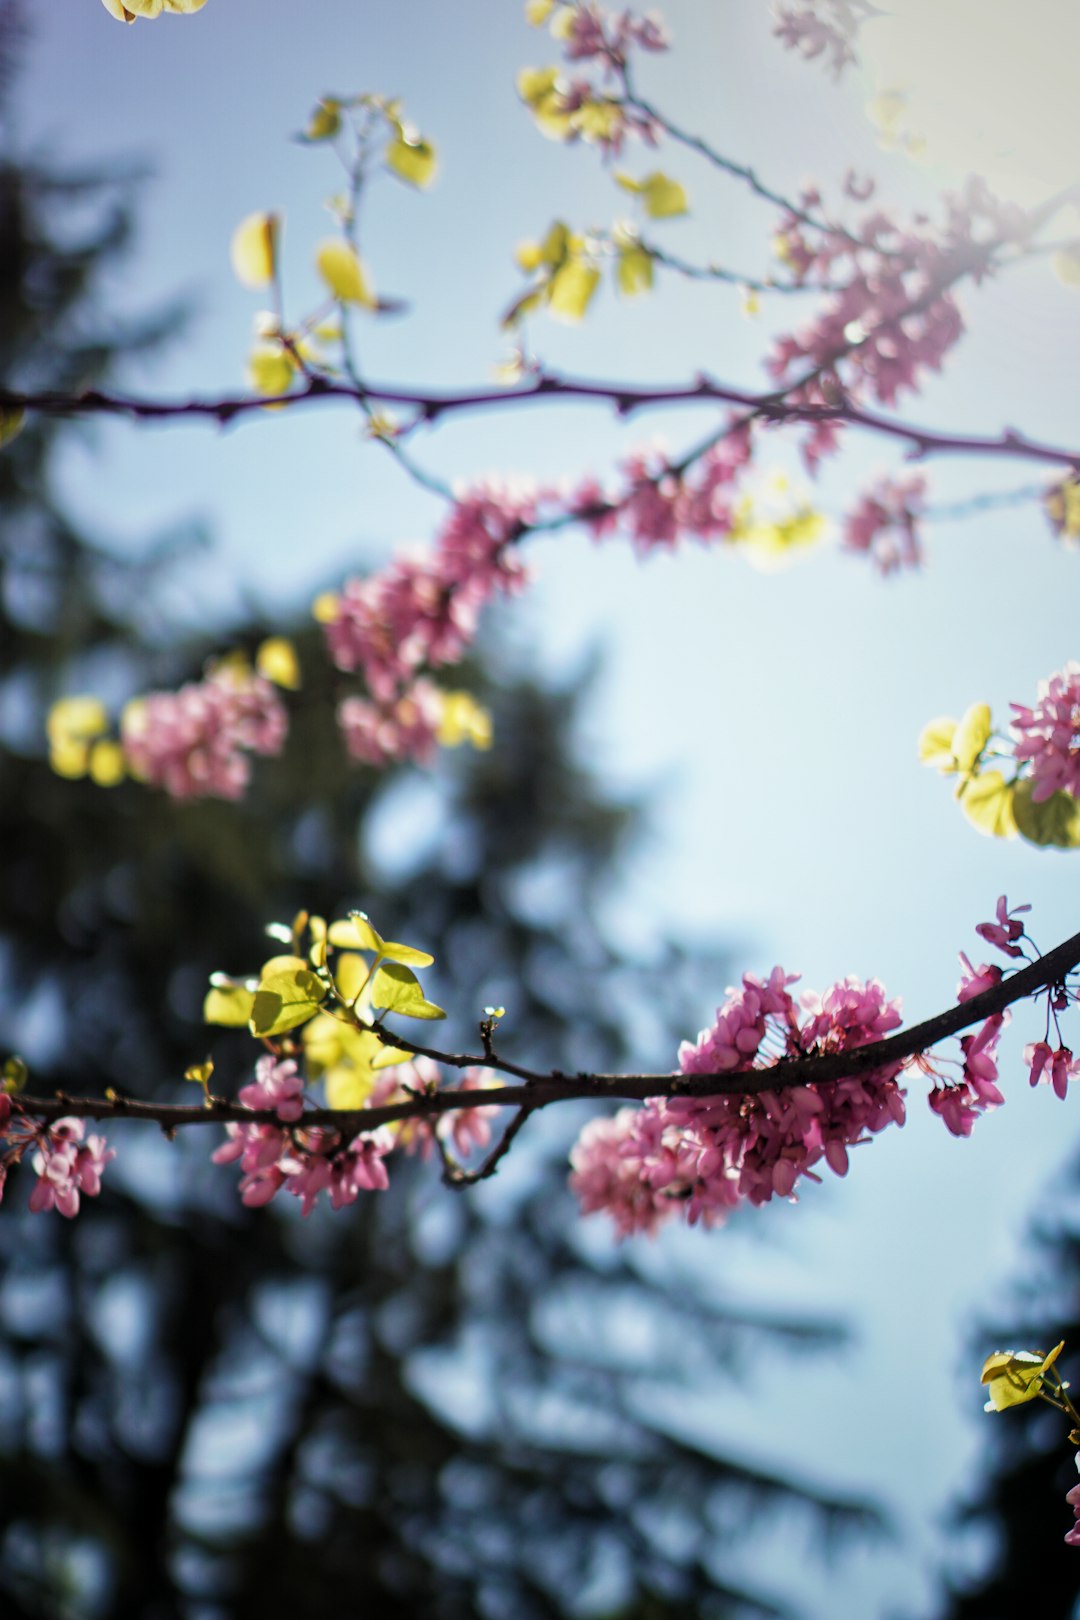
(228, 1004)
(270, 369)
(81, 718)
(634, 270)
(339, 265)
(350, 972)
(69, 757)
(285, 999)
(1066, 265)
(412, 159)
(200, 1073)
(325, 120)
(106, 763)
(972, 736)
(987, 801)
(355, 933)
(464, 720)
(572, 288)
(534, 84)
(1016, 1376)
(254, 249)
(537, 12)
(276, 661)
(324, 609)
(12, 418)
(936, 744)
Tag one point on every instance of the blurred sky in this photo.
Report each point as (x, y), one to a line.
(773, 715)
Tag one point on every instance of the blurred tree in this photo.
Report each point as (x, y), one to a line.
(1018, 1502)
(431, 1407)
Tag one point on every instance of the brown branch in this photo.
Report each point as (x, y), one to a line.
(538, 1090)
(923, 441)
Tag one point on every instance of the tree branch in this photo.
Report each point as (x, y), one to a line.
(539, 1090)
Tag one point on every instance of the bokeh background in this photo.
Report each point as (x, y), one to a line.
(479, 1405)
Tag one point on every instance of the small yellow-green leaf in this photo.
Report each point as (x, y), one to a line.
(13, 1075)
(972, 736)
(394, 951)
(270, 369)
(412, 160)
(1054, 822)
(325, 120)
(228, 1004)
(389, 1057)
(12, 418)
(397, 989)
(76, 717)
(663, 197)
(355, 934)
(936, 744)
(537, 12)
(284, 1000)
(106, 763)
(350, 975)
(253, 250)
(1016, 1376)
(348, 1087)
(339, 265)
(1066, 265)
(987, 801)
(534, 84)
(634, 269)
(276, 661)
(572, 288)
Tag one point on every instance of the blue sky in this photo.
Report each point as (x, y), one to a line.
(774, 715)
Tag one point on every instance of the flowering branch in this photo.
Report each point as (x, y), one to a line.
(539, 1089)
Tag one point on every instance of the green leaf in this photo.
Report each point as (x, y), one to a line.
(357, 934)
(987, 801)
(572, 289)
(664, 198)
(325, 120)
(285, 1000)
(413, 161)
(1055, 822)
(342, 269)
(390, 1057)
(972, 736)
(228, 1004)
(397, 989)
(12, 418)
(634, 270)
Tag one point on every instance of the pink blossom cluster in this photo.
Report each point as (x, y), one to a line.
(66, 1161)
(306, 1162)
(889, 315)
(1072, 1536)
(805, 30)
(424, 610)
(659, 505)
(705, 1155)
(607, 36)
(1052, 1067)
(195, 742)
(884, 523)
(1048, 734)
(468, 1129)
(405, 727)
(960, 1103)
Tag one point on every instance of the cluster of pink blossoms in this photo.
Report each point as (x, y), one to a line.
(65, 1160)
(608, 36)
(889, 315)
(1072, 1537)
(595, 34)
(422, 612)
(705, 1155)
(308, 1160)
(1048, 734)
(195, 742)
(658, 506)
(812, 35)
(884, 524)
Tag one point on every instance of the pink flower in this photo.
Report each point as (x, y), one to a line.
(406, 727)
(66, 1166)
(884, 524)
(1006, 931)
(1072, 1537)
(976, 980)
(1048, 735)
(276, 1085)
(194, 743)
